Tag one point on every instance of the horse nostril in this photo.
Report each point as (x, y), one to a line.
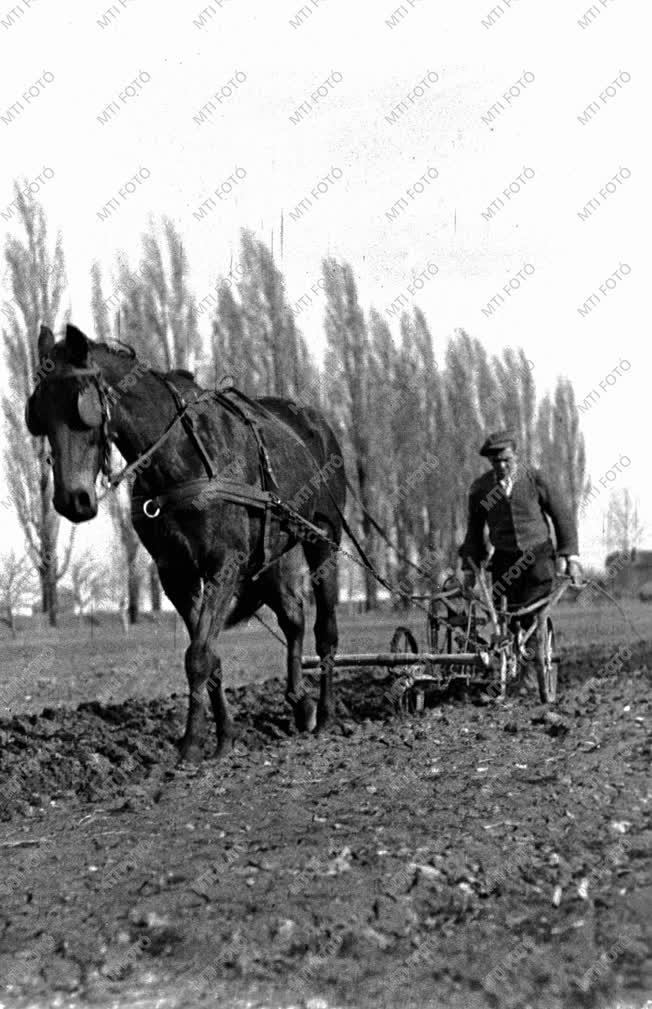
(83, 501)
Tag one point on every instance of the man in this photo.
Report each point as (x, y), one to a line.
(516, 504)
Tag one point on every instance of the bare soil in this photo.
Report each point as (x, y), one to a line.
(473, 856)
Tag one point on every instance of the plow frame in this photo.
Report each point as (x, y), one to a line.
(468, 641)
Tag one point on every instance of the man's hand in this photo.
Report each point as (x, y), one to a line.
(570, 566)
(574, 569)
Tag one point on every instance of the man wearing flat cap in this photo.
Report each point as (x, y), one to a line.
(517, 505)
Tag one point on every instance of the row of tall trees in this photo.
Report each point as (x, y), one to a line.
(408, 405)
(410, 415)
(410, 420)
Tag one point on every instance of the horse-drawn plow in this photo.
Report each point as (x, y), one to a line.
(364, 865)
(468, 642)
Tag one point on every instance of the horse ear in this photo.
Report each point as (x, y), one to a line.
(45, 342)
(76, 346)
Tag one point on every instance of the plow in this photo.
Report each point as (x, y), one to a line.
(469, 642)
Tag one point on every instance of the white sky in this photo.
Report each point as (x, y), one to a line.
(347, 129)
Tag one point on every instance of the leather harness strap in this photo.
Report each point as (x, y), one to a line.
(189, 426)
(199, 492)
(148, 453)
(268, 479)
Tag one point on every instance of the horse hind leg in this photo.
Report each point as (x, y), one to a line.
(204, 611)
(322, 561)
(282, 595)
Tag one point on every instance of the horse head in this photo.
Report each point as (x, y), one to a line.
(69, 407)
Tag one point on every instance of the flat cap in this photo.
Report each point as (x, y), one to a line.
(497, 441)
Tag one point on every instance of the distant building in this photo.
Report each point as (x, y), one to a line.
(630, 571)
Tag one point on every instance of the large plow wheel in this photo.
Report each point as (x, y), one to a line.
(440, 633)
(548, 663)
(403, 640)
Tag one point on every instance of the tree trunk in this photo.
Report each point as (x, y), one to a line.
(48, 545)
(133, 592)
(11, 620)
(452, 552)
(404, 581)
(124, 615)
(49, 595)
(370, 583)
(154, 588)
(53, 612)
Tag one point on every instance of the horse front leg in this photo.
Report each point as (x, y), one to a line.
(185, 593)
(204, 668)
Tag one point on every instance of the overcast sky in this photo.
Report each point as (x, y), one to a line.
(95, 136)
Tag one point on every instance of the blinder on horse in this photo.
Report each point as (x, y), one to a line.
(94, 413)
(89, 409)
(34, 425)
(89, 406)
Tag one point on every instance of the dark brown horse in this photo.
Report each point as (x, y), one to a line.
(219, 559)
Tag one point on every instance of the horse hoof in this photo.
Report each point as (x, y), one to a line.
(189, 753)
(225, 745)
(324, 717)
(305, 715)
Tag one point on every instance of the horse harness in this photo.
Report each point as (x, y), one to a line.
(265, 498)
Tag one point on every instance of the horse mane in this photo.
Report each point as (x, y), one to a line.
(118, 348)
(121, 349)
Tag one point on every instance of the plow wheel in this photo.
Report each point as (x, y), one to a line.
(547, 665)
(410, 697)
(403, 640)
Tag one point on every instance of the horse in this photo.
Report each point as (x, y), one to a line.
(225, 490)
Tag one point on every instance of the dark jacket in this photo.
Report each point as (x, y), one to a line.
(517, 523)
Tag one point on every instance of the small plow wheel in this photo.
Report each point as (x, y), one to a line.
(409, 697)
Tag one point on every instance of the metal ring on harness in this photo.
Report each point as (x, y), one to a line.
(148, 513)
